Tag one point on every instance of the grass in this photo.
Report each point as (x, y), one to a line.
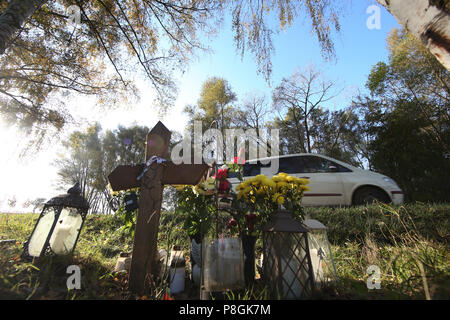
(409, 244)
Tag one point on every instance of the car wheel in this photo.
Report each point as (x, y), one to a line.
(369, 195)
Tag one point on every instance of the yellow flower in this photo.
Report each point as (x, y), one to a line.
(290, 179)
(277, 178)
(302, 181)
(280, 200)
(281, 184)
(305, 188)
(271, 183)
(275, 197)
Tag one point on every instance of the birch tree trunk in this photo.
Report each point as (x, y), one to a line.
(428, 20)
(12, 19)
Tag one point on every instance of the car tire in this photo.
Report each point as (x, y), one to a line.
(369, 195)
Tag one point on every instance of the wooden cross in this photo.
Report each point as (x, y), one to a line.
(151, 179)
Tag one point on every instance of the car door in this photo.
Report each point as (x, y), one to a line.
(324, 180)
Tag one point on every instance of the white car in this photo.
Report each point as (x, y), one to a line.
(332, 182)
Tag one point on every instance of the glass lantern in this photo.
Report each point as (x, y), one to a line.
(287, 267)
(59, 225)
(222, 265)
(320, 250)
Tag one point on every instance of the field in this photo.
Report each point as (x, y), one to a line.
(409, 244)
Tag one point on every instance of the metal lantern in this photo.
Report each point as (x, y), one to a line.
(131, 202)
(287, 267)
(59, 225)
(320, 251)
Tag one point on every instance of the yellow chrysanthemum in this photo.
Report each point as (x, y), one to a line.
(276, 178)
(305, 188)
(290, 179)
(280, 200)
(281, 184)
(275, 197)
(271, 183)
(303, 181)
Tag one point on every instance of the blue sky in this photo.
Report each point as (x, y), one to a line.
(357, 50)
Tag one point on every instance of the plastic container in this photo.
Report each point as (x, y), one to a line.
(177, 274)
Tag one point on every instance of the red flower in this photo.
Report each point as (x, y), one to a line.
(224, 186)
(238, 160)
(232, 222)
(222, 174)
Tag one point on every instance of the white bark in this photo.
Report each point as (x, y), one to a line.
(427, 22)
(12, 19)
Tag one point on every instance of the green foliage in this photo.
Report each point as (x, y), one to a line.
(197, 210)
(407, 119)
(128, 217)
(213, 105)
(406, 152)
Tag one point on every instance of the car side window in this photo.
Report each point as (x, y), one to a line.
(319, 165)
(251, 169)
(291, 165)
(296, 164)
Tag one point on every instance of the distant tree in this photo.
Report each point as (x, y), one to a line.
(253, 112)
(37, 203)
(93, 154)
(337, 134)
(298, 97)
(12, 202)
(214, 107)
(82, 163)
(124, 145)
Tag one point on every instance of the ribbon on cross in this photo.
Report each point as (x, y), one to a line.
(149, 162)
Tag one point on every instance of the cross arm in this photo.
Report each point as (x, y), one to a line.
(125, 176)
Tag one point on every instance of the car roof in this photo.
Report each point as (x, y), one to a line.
(304, 154)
